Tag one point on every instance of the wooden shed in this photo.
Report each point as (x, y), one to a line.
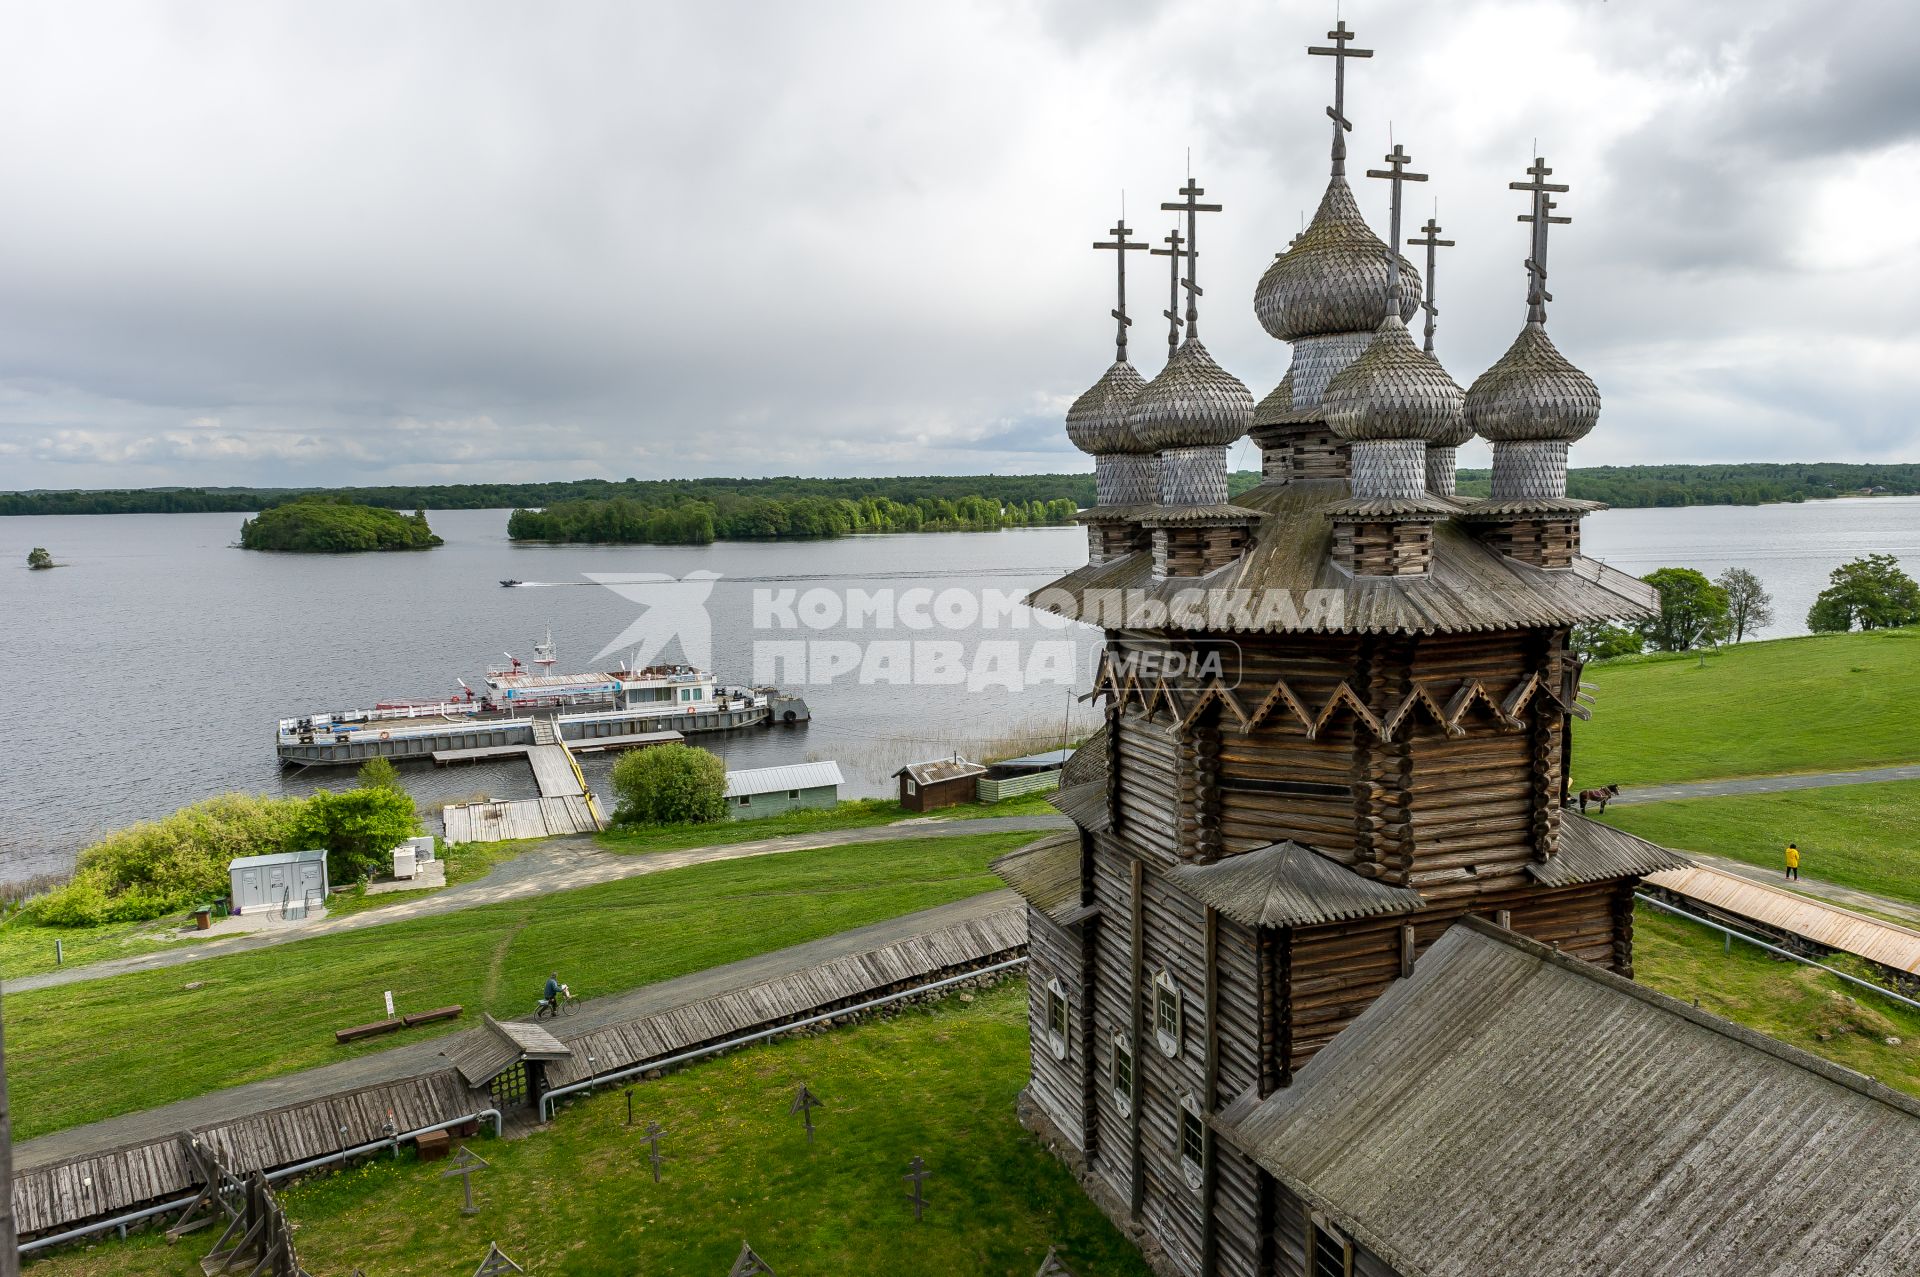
(942, 783)
(774, 791)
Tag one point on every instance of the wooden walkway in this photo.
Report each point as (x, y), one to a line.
(89, 1172)
(1827, 925)
(564, 807)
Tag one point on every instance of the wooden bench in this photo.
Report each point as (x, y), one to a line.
(429, 1017)
(373, 1030)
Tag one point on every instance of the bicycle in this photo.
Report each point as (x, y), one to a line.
(564, 1003)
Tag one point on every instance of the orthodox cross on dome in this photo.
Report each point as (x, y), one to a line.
(1173, 241)
(1338, 111)
(1396, 175)
(1192, 208)
(1120, 247)
(1541, 217)
(1432, 241)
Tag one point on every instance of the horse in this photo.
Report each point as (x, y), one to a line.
(1602, 796)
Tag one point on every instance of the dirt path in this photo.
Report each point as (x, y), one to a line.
(559, 864)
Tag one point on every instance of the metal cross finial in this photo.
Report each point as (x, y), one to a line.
(1192, 208)
(1396, 175)
(1338, 111)
(1121, 246)
(1541, 217)
(1172, 250)
(1432, 242)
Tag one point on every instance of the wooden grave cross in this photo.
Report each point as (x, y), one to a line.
(804, 1102)
(1052, 1267)
(464, 1166)
(916, 1174)
(654, 1132)
(496, 1263)
(749, 1264)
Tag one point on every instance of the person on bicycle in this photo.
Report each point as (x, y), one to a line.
(551, 999)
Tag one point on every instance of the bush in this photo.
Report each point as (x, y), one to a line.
(670, 785)
(164, 866)
(378, 773)
(358, 828)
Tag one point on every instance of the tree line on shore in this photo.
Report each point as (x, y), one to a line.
(1625, 487)
(1870, 593)
(622, 521)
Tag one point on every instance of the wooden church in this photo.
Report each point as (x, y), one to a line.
(1322, 981)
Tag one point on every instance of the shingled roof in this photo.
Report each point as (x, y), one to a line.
(1046, 873)
(1287, 885)
(1472, 587)
(1593, 852)
(1508, 1111)
(484, 1053)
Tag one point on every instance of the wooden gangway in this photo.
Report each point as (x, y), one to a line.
(565, 805)
(128, 1162)
(1741, 899)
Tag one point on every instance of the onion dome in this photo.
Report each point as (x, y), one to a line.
(1394, 390)
(1192, 403)
(1533, 394)
(1097, 422)
(1277, 408)
(1334, 277)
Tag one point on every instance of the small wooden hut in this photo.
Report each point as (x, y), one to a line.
(941, 783)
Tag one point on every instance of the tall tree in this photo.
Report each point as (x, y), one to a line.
(1749, 606)
(1693, 611)
(1872, 593)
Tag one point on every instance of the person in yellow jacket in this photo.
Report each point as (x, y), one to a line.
(1793, 863)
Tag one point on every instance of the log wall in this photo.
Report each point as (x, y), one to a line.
(1111, 1159)
(1057, 1085)
(1337, 971)
(1290, 1219)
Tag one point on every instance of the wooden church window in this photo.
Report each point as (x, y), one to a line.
(1193, 1140)
(1057, 1019)
(1166, 1014)
(1122, 1077)
(1328, 1253)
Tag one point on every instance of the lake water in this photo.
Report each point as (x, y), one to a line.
(150, 671)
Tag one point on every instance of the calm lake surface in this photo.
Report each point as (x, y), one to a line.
(150, 671)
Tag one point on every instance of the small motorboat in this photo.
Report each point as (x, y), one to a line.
(509, 584)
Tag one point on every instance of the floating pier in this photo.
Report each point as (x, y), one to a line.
(565, 804)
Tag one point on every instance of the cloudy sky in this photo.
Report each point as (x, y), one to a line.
(348, 242)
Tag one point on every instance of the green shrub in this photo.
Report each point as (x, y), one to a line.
(670, 785)
(358, 828)
(163, 866)
(378, 773)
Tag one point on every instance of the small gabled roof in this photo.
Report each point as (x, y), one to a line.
(1046, 873)
(484, 1053)
(1084, 804)
(1287, 885)
(775, 780)
(1593, 852)
(941, 769)
(1510, 1110)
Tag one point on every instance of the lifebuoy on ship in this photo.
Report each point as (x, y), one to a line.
(386, 735)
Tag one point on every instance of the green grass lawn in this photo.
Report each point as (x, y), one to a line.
(1795, 1003)
(857, 813)
(579, 1198)
(1823, 703)
(82, 1052)
(1860, 836)
(26, 948)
